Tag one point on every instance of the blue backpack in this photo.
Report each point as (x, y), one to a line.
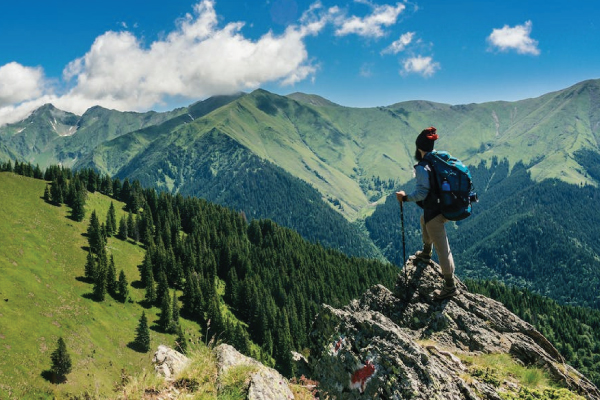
(452, 185)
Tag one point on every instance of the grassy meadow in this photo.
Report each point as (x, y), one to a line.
(43, 297)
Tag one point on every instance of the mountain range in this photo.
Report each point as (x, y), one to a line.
(328, 171)
(348, 154)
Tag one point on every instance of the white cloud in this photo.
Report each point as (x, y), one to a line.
(400, 44)
(19, 83)
(515, 38)
(197, 59)
(371, 25)
(201, 57)
(420, 65)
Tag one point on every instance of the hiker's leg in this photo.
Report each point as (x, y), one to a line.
(427, 240)
(436, 232)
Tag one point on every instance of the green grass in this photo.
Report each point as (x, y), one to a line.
(497, 369)
(41, 298)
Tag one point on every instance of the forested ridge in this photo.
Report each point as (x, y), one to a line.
(274, 279)
(232, 176)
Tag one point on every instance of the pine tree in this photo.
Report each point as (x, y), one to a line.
(78, 206)
(123, 287)
(95, 236)
(176, 307)
(101, 275)
(47, 197)
(111, 277)
(284, 348)
(37, 172)
(165, 322)
(142, 336)
(150, 289)
(111, 220)
(130, 226)
(162, 286)
(146, 268)
(61, 362)
(90, 267)
(123, 234)
(56, 193)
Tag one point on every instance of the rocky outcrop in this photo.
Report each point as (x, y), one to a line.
(262, 383)
(168, 362)
(405, 345)
(265, 383)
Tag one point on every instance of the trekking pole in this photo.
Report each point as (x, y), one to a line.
(403, 235)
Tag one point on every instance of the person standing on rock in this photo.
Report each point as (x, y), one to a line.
(432, 220)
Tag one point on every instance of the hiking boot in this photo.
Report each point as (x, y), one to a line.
(421, 255)
(445, 293)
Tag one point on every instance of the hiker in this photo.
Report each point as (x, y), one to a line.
(432, 220)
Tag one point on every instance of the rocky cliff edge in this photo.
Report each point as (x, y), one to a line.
(405, 345)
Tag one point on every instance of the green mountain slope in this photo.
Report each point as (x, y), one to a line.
(346, 153)
(50, 136)
(544, 133)
(41, 259)
(111, 156)
(219, 169)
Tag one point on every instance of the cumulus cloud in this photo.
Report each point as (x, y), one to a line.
(196, 60)
(514, 38)
(424, 66)
(19, 83)
(400, 44)
(200, 57)
(370, 25)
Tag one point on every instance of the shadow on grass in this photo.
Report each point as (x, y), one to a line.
(91, 296)
(84, 279)
(145, 303)
(137, 285)
(136, 347)
(73, 218)
(51, 377)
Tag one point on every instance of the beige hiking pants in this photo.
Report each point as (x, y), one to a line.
(434, 233)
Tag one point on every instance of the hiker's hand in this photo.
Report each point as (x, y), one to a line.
(400, 196)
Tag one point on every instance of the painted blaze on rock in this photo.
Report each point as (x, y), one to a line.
(360, 377)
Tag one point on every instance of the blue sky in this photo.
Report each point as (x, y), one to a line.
(141, 55)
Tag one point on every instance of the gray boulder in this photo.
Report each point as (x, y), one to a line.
(264, 384)
(168, 362)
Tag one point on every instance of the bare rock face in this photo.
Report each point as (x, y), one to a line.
(404, 345)
(168, 362)
(265, 384)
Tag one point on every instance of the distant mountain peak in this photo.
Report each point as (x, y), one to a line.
(48, 107)
(312, 99)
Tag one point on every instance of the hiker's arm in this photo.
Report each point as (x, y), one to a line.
(422, 189)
